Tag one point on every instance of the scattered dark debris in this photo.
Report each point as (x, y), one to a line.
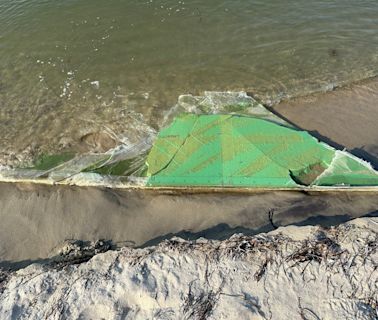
(200, 301)
(260, 273)
(333, 52)
(177, 244)
(237, 246)
(200, 306)
(320, 249)
(135, 258)
(76, 252)
(4, 277)
(372, 245)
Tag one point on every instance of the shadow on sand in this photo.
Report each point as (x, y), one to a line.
(221, 231)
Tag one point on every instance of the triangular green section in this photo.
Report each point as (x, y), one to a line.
(242, 151)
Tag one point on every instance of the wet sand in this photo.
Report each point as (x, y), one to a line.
(36, 219)
(345, 118)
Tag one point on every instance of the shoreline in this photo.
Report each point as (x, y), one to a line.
(36, 218)
(102, 140)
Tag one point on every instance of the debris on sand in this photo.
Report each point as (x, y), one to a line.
(77, 251)
(290, 273)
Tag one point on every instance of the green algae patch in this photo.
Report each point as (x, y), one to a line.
(121, 168)
(236, 107)
(97, 165)
(242, 151)
(135, 166)
(50, 161)
(115, 169)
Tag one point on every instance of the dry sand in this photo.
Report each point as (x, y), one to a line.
(292, 273)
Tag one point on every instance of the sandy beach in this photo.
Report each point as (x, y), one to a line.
(291, 273)
(188, 160)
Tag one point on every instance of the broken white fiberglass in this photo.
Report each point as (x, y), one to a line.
(221, 139)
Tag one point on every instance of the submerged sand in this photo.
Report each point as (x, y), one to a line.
(345, 118)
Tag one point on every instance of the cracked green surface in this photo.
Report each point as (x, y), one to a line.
(242, 151)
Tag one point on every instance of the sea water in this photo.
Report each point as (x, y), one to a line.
(72, 68)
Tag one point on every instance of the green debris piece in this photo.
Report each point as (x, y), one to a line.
(242, 151)
(47, 162)
(308, 175)
(120, 168)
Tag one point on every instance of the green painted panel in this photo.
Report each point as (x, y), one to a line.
(232, 150)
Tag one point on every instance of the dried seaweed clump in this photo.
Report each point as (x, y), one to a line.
(76, 252)
(4, 278)
(318, 249)
(199, 304)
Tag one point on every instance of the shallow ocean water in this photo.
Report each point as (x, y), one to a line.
(71, 69)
